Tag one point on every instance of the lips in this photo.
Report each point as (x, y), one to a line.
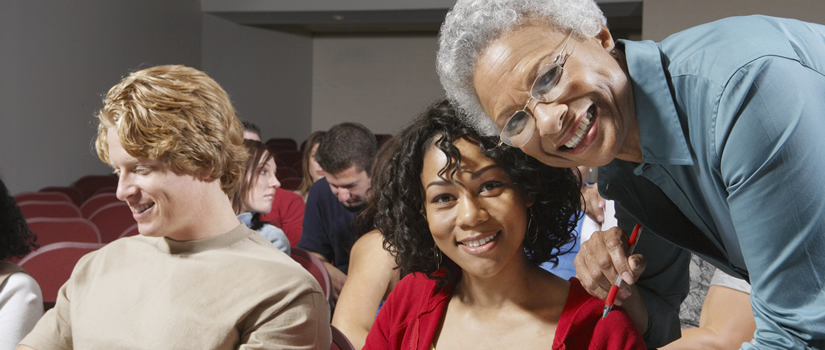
(480, 241)
(581, 129)
(141, 208)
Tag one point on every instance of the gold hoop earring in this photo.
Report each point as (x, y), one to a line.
(437, 253)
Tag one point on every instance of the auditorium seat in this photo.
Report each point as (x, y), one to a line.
(315, 267)
(52, 265)
(72, 192)
(96, 202)
(53, 230)
(112, 219)
(90, 184)
(46, 209)
(42, 196)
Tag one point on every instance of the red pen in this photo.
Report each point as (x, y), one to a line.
(614, 289)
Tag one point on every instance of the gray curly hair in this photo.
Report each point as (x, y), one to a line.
(472, 25)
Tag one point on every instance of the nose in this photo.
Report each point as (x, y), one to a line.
(125, 188)
(549, 117)
(275, 183)
(470, 213)
(343, 195)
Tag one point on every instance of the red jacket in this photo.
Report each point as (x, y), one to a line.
(287, 214)
(409, 318)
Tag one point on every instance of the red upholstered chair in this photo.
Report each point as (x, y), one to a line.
(47, 209)
(90, 184)
(291, 183)
(339, 340)
(52, 264)
(53, 230)
(315, 267)
(285, 172)
(277, 144)
(112, 219)
(42, 196)
(290, 157)
(72, 192)
(91, 205)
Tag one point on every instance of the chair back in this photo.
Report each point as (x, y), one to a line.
(315, 267)
(52, 265)
(72, 192)
(290, 157)
(285, 172)
(95, 202)
(291, 183)
(48, 209)
(53, 230)
(90, 184)
(42, 196)
(112, 219)
(278, 144)
(339, 340)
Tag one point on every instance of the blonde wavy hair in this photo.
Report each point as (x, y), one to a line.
(179, 115)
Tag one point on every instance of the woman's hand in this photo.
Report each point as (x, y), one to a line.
(593, 204)
(600, 260)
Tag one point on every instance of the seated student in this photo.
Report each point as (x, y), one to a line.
(257, 192)
(312, 170)
(195, 277)
(372, 270)
(472, 221)
(21, 303)
(287, 209)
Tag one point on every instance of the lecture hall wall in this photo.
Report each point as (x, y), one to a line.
(58, 59)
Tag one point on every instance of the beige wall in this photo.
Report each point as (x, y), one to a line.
(665, 17)
(381, 82)
(58, 59)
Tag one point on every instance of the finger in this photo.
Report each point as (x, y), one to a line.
(615, 263)
(588, 276)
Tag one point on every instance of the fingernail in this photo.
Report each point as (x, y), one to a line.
(627, 278)
(624, 293)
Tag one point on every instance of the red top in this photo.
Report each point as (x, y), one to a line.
(287, 214)
(409, 318)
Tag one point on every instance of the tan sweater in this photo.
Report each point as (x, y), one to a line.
(233, 291)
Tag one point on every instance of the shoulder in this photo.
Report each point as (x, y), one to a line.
(371, 244)
(288, 196)
(581, 322)
(718, 49)
(19, 284)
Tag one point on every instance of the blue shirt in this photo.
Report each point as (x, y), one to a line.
(270, 232)
(731, 119)
(328, 226)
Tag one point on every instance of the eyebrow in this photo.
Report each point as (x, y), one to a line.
(351, 184)
(475, 175)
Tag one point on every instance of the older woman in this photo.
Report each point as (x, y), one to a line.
(472, 222)
(710, 139)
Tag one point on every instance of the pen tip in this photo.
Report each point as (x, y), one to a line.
(606, 310)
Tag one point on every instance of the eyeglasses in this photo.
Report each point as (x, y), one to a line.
(521, 125)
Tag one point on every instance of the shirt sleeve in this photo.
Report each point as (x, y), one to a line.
(277, 237)
(21, 306)
(315, 236)
(771, 151)
(297, 317)
(293, 218)
(54, 329)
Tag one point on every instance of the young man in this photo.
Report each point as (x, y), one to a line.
(195, 277)
(346, 154)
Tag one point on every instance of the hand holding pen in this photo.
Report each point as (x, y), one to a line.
(614, 289)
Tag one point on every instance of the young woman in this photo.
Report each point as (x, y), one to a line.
(21, 303)
(257, 192)
(473, 222)
(312, 171)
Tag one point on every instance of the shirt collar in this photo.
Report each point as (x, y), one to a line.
(660, 129)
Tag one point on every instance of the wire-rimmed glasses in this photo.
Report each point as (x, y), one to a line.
(520, 127)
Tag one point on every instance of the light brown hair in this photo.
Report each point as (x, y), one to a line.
(179, 115)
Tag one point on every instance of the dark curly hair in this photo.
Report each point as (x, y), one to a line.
(16, 239)
(398, 198)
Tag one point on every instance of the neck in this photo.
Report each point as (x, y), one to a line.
(214, 216)
(517, 283)
(631, 149)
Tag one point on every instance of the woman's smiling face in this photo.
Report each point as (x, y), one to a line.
(477, 218)
(591, 113)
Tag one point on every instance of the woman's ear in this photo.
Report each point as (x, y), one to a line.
(605, 39)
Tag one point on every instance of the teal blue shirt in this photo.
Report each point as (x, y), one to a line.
(731, 119)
